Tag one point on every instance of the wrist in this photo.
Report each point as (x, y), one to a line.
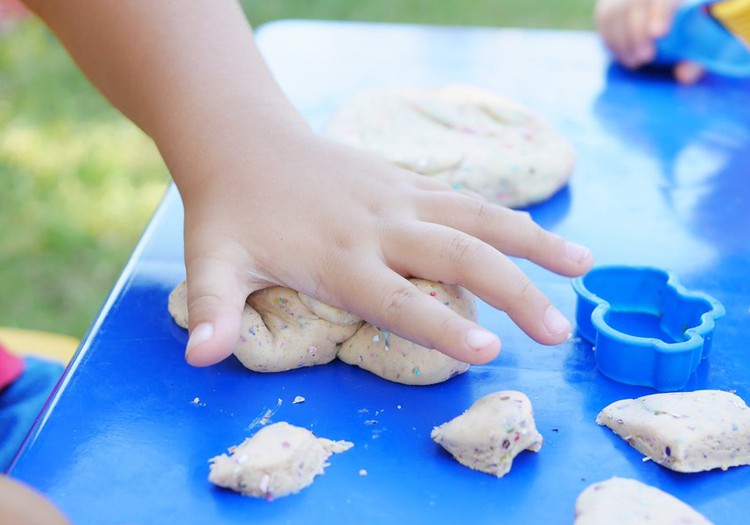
(225, 149)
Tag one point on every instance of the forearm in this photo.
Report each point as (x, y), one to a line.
(186, 71)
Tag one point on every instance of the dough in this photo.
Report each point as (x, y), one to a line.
(622, 501)
(283, 330)
(278, 460)
(492, 432)
(397, 359)
(279, 332)
(465, 136)
(177, 304)
(684, 431)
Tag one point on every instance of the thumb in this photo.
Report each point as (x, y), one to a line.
(688, 73)
(215, 303)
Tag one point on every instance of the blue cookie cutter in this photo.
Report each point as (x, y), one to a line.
(696, 35)
(646, 328)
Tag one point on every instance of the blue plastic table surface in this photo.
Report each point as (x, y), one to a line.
(662, 179)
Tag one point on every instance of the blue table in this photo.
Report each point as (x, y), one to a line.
(662, 179)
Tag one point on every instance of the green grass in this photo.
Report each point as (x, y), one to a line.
(571, 14)
(80, 182)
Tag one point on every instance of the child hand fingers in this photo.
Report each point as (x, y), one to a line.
(392, 303)
(216, 298)
(639, 40)
(661, 15)
(687, 73)
(511, 232)
(457, 258)
(608, 17)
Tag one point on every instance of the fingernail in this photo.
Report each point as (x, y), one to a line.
(555, 322)
(576, 252)
(479, 339)
(200, 333)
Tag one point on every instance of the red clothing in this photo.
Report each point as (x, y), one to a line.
(12, 9)
(10, 367)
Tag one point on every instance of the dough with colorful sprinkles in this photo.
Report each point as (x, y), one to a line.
(491, 433)
(279, 331)
(399, 360)
(284, 330)
(684, 431)
(468, 137)
(278, 460)
(623, 501)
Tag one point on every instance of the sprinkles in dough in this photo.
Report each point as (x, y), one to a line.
(278, 460)
(491, 433)
(684, 431)
(290, 330)
(470, 138)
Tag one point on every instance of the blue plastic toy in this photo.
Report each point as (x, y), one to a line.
(645, 327)
(697, 36)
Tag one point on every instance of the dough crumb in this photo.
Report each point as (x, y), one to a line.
(684, 431)
(278, 460)
(297, 400)
(362, 472)
(623, 501)
(491, 433)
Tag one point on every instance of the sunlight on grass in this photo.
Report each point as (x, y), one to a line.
(80, 183)
(95, 181)
(571, 14)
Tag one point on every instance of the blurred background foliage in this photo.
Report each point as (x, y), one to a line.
(80, 182)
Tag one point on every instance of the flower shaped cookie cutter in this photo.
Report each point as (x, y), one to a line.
(646, 328)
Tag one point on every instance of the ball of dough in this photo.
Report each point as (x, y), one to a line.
(283, 330)
(623, 501)
(329, 313)
(492, 432)
(468, 137)
(684, 431)
(279, 332)
(278, 460)
(397, 359)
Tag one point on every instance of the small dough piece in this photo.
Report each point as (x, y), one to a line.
(492, 432)
(278, 460)
(468, 137)
(684, 431)
(397, 359)
(623, 501)
(177, 304)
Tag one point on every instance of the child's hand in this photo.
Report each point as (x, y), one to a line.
(346, 227)
(22, 505)
(268, 202)
(630, 27)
